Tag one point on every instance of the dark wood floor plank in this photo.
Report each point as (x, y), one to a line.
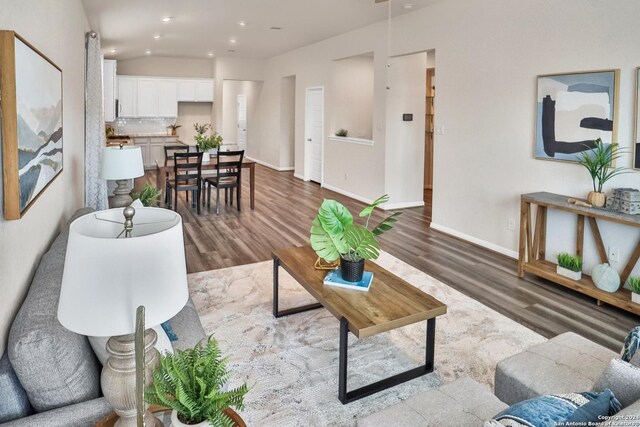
(285, 207)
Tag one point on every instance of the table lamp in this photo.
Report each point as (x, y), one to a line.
(121, 164)
(115, 263)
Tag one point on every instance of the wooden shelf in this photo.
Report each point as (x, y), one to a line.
(547, 270)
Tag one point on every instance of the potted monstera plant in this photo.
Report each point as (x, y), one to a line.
(334, 235)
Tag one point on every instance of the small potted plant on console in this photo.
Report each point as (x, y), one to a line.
(335, 236)
(569, 266)
(634, 284)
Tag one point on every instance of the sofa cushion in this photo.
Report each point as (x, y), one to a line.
(461, 403)
(569, 362)
(551, 410)
(631, 344)
(623, 379)
(55, 366)
(15, 403)
(187, 326)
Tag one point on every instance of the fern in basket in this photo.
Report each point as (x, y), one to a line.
(190, 382)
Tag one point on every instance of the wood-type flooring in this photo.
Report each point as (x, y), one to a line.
(286, 205)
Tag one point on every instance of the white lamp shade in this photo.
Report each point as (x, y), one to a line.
(106, 278)
(121, 163)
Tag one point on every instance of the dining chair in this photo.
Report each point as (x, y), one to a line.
(187, 177)
(228, 177)
(169, 151)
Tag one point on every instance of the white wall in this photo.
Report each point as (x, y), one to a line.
(288, 121)
(231, 90)
(22, 242)
(190, 113)
(404, 174)
(352, 96)
(488, 56)
(167, 67)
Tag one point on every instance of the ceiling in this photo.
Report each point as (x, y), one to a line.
(201, 27)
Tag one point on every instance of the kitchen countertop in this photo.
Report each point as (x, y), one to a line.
(144, 135)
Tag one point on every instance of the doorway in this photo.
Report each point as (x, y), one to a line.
(242, 122)
(314, 134)
(429, 133)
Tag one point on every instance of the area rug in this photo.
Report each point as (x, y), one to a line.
(291, 363)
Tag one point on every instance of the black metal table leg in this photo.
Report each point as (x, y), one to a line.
(350, 396)
(277, 313)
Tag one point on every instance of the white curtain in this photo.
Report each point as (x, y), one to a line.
(95, 139)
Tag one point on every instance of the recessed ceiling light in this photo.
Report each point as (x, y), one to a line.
(242, 23)
(147, 52)
(408, 6)
(211, 54)
(233, 41)
(157, 36)
(167, 19)
(113, 50)
(275, 28)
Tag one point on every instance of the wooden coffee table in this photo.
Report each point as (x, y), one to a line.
(390, 303)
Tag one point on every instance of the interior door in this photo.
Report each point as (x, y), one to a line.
(314, 133)
(242, 122)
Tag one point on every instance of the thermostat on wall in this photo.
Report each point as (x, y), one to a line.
(407, 117)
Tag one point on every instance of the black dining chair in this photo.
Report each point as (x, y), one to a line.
(187, 177)
(228, 177)
(169, 151)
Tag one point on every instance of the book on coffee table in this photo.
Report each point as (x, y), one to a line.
(334, 278)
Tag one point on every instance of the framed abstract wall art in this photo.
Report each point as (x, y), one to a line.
(30, 121)
(573, 110)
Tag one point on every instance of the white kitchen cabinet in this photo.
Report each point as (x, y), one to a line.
(204, 91)
(109, 85)
(147, 97)
(167, 98)
(195, 90)
(127, 96)
(187, 90)
(153, 149)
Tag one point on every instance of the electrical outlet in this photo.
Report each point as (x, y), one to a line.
(511, 224)
(614, 255)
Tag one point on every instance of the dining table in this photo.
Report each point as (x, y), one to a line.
(162, 168)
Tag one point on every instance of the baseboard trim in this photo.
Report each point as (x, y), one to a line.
(270, 166)
(475, 240)
(402, 205)
(300, 177)
(347, 193)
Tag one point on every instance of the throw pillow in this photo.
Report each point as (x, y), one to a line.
(623, 379)
(550, 410)
(592, 412)
(99, 344)
(631, 344)
(169, 331)
(14, 402)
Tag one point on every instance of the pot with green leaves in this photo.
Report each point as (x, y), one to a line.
(335, 236)
(634, 285)
(192, 383)
(569, 266)
(599, 162)
(207, 144)
(149, 196)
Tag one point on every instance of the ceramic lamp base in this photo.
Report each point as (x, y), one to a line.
(121, 195)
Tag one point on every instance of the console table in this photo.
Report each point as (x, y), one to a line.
(533, 237)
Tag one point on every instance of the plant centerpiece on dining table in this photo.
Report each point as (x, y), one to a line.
(191, 383)
(335, 236)
(206, 143)
(599, 162)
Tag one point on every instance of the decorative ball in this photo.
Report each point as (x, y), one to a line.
(605, 277)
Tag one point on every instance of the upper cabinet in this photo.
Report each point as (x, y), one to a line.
(147, 98)
(127, 96)
(159, 96)
(109, 88)
(168, 98)
(195, 90)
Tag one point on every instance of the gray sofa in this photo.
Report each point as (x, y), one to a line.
(51, 376)
(564, 364)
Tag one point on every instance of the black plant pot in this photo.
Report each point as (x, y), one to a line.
(351, 270)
